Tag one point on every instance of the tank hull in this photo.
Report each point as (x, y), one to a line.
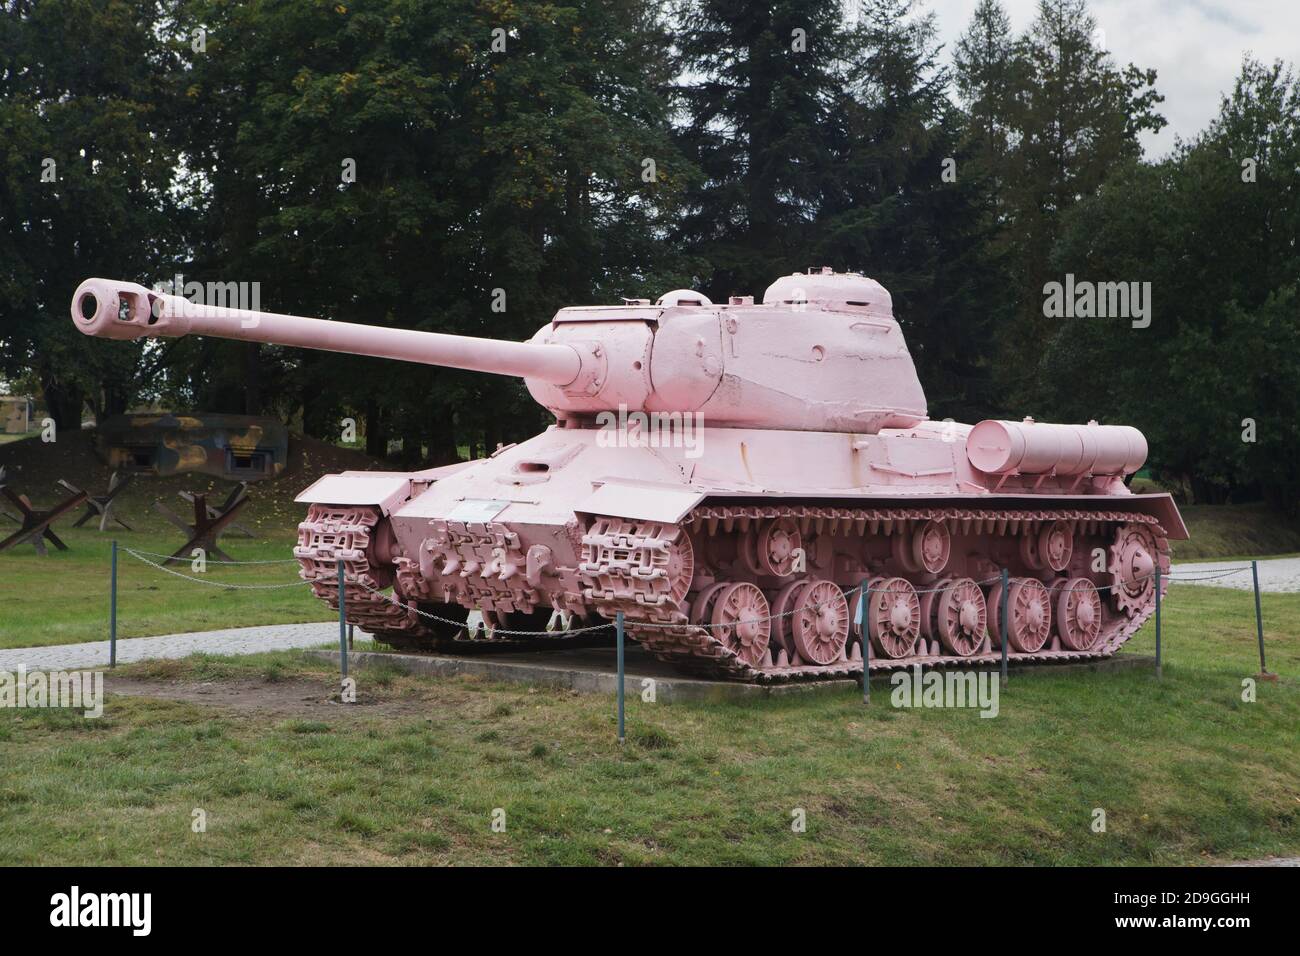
(743, 553)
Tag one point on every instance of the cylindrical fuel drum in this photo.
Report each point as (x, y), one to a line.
(1038, 448)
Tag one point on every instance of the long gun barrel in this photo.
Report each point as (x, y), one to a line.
(125, 310)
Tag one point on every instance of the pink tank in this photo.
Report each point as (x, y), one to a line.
(728, 476)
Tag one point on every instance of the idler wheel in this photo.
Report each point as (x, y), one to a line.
(1078, 614)
(778, 543)
(1030, 610)
(384, 548)
(1056, 545)
(962, 617)
(931, 546)
(894, 618)
(741, 621)
(1132, 566)
(783, 608)
(821, 622)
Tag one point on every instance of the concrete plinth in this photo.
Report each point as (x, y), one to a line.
(592, 670)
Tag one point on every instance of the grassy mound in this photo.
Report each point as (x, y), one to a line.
(1236, 531)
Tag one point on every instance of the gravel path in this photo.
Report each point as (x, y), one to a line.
(240, 640)
(1276, 574)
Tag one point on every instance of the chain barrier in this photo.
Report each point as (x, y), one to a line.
(345, 630)
(1220, 573)
(1172, 576)
(155, 554)
(140, 556)
(392, 599)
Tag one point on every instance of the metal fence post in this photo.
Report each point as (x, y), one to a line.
(343, 622)
(112, 608)
(1159, 668)
(866, 642)
(618, 628)
(1005, 629)
(1259, 619)
(351, 630)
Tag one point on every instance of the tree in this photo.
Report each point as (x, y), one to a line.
(1212, 229)
(987, 80)
(913, 210)
(417, 165)
(1074, 118)
(84, 176)
(762, 116)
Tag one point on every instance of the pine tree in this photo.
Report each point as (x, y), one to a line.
(986, 68)
(913, 212)
(496, 147)
(763, 119)
(1076, 118)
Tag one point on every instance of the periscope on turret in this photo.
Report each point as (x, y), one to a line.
(729, 476)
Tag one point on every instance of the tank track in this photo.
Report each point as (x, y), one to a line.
(635, 567)
(333, 532)
(629, 570)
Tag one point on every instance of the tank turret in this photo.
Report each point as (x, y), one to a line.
(823, 352)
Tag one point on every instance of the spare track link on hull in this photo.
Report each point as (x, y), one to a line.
(333, 532)
(347, 532)
(630, 573)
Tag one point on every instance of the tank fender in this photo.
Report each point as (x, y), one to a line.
(641, 500)
(388, 490)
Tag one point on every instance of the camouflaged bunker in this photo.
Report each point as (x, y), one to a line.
(238, 447)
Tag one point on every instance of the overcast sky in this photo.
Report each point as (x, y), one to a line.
(1195, 46)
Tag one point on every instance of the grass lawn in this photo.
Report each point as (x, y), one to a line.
(1185, 770)
(63, 598)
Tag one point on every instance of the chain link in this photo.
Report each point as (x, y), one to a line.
(140, 556)
(155, 554)
(392, 599)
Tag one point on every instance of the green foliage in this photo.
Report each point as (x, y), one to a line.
(914, 210)
(763, 96)
(1224, 341)
(476, 169)
(1051, 117)
(576, 153)
(84, 185)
